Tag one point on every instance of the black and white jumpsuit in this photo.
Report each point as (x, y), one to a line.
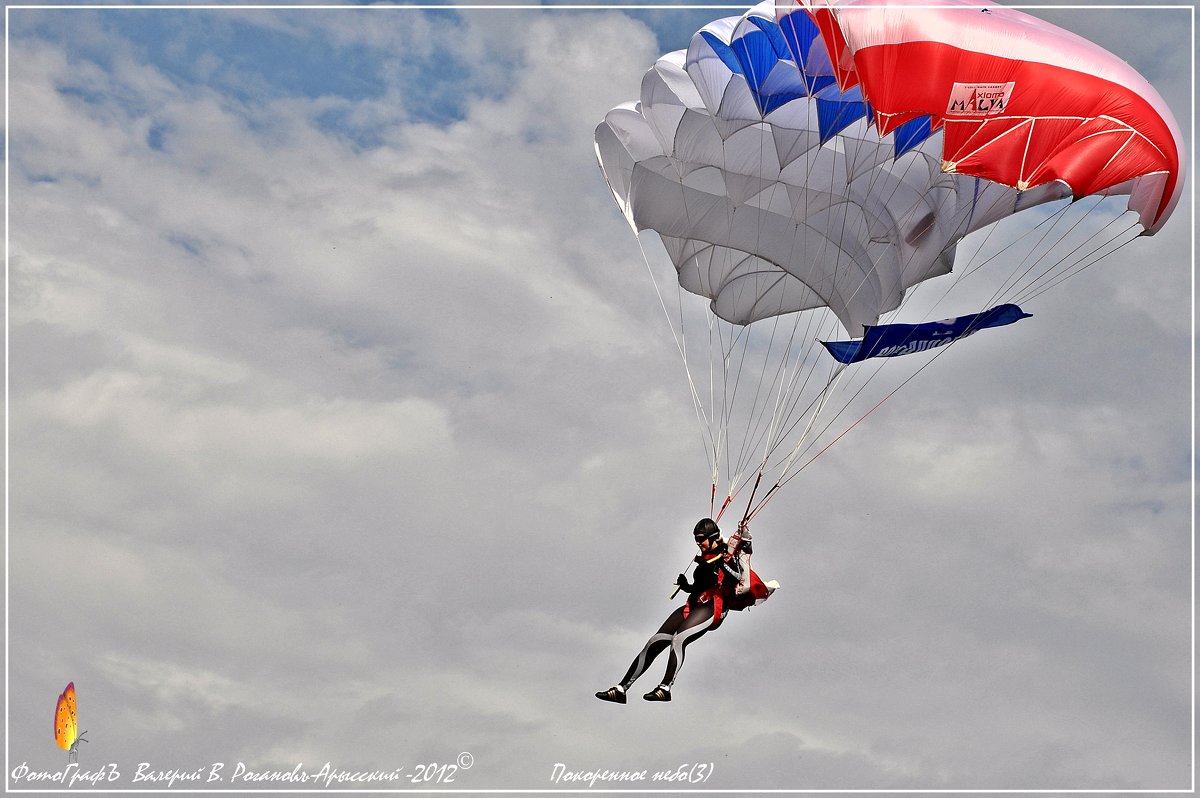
(689, 622)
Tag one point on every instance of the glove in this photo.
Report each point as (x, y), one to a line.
(683, 582)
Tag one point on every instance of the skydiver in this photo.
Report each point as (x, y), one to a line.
(720, 582)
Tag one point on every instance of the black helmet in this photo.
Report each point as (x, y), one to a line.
(707, 529)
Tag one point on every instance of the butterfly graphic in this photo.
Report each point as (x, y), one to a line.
(66, 724)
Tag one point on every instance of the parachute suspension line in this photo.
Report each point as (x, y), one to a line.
(1014, 283)
(787, 397)
(728, 394)
(1053, 275)
(937, 354)
(1033, 293)
(826, 392)
(878, 172)
(794, 417)
(738, 342)
(881, 364)
(783, 387)
(1032, 258)
(801, 449)
(916, 159)
(839, 201)
(1019, 287)
(739, 338)
(821, 400)
(716, 427)
(758, 179)
(754, 416)
(743, 335)
(722, 426)
(789, 477)
(769, 378)
(680, 344)
(715, 440)
(785, 407)
(704, 415)
(759, 431)
(758, 428)
(728, 500)
(785, 420)
(970, 268)
(750, 501)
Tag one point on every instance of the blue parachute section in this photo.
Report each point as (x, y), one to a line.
(890, 340)
(762, 46)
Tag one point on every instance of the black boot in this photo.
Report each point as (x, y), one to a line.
(614, 694)
(660, 693)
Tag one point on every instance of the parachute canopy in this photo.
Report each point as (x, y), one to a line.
(832, 154)
(809, 164)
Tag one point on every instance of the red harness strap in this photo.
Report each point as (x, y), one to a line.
(718, 601)
(714, 594)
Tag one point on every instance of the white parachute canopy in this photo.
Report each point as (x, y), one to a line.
(769, 213)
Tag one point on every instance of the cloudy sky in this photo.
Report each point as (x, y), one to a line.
(345, 427)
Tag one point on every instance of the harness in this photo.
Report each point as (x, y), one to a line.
(715, 594)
